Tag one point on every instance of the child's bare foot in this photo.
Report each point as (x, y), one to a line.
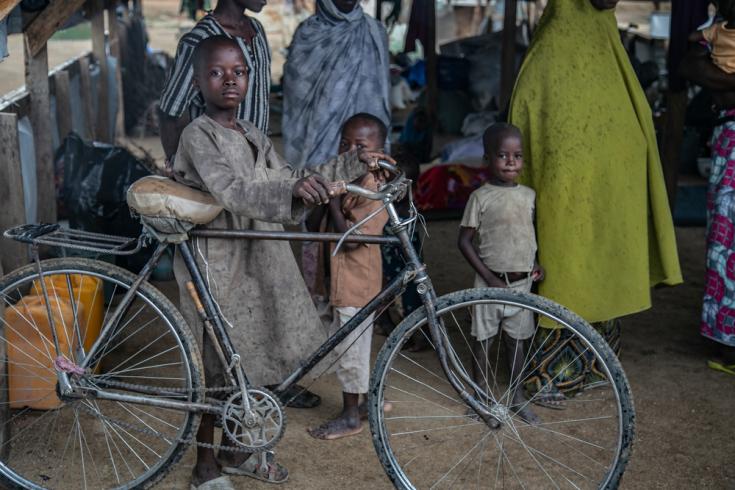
(347, 424)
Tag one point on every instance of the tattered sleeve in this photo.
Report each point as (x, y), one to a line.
(344, 167)
(239, 186)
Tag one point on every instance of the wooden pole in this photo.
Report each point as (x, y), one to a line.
(63, 104)
(6, 6)
(432, 72)
(115, 50)
(12, 205)
(673, 134)
(102, 124)
(85, 91)
(36, 71)
(508, 56)
(48, 21)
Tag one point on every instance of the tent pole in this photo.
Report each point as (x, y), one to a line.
(507, 60)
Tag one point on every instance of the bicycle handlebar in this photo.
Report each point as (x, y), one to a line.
(394, 187)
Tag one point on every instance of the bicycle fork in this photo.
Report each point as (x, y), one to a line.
(426, 290)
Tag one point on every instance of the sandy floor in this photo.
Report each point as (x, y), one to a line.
(684, 437)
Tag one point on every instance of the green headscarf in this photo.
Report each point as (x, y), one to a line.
(604, 225)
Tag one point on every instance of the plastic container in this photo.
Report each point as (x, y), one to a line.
(31, 351)
(87, 291)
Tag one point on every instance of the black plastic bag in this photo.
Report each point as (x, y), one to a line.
(92, 191)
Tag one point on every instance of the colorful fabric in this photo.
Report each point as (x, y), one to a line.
(718, 312)
(337, 67)
(564, 364)
(448, 186)
(604, 226)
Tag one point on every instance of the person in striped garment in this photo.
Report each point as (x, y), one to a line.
(181, 102)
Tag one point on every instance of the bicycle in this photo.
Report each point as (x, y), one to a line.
(124, 406)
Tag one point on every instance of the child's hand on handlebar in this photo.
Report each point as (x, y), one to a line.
(314, 190)
(371, 158)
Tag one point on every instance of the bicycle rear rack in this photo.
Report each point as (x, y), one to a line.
(55, 235)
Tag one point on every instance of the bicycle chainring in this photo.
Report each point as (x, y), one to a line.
(258, 429)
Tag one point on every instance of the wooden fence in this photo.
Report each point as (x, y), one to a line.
(34, 101)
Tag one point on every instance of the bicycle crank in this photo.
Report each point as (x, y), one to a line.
(259, 428)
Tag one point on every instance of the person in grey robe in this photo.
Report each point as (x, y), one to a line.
(256, 284)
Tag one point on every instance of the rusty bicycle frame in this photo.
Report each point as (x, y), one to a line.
(414, 272)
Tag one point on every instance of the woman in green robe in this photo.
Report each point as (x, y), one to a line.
(604, 225)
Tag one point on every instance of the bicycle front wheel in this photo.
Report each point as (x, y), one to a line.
(50, 442)
(426, 436)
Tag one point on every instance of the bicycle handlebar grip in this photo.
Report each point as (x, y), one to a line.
(389, 166)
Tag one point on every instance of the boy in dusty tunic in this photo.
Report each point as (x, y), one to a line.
(500, 214)
(356, 277)
(273, 327)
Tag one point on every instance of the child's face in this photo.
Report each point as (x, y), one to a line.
(506, 160)
(223, 78)
(361, 137)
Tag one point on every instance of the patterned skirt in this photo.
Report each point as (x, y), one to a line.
(561, 363)
(718, 311)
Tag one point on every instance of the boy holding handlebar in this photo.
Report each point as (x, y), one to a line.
(356, 277)
(256, 284)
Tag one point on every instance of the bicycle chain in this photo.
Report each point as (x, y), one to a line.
(155, 433)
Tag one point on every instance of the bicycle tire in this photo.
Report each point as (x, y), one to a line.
(165, 318)
(390, 355)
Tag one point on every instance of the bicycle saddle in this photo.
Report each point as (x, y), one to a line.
(170, 207)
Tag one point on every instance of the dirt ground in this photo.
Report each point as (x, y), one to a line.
(684, 410)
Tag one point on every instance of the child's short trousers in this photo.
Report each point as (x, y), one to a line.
(516, 322)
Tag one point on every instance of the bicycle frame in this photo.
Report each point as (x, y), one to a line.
(414, 272)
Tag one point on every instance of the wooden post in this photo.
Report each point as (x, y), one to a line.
(102, 124)
(432, 72)
(85, 92)
(6, 6)
(116, 51)
(47, 22)
(36, 71)
(12, 206)
(508, 55)
(63, 104)
(676, 108)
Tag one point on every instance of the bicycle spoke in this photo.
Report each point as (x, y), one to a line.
(572, 448)
(85, 443)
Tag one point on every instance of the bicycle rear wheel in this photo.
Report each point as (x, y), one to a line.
(432, 439)
(49, 442)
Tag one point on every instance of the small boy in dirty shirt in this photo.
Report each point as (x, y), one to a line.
(256, 283)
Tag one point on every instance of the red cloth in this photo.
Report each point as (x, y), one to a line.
(448, 186)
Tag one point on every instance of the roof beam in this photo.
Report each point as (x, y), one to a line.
(6, 6)
(47, 22)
